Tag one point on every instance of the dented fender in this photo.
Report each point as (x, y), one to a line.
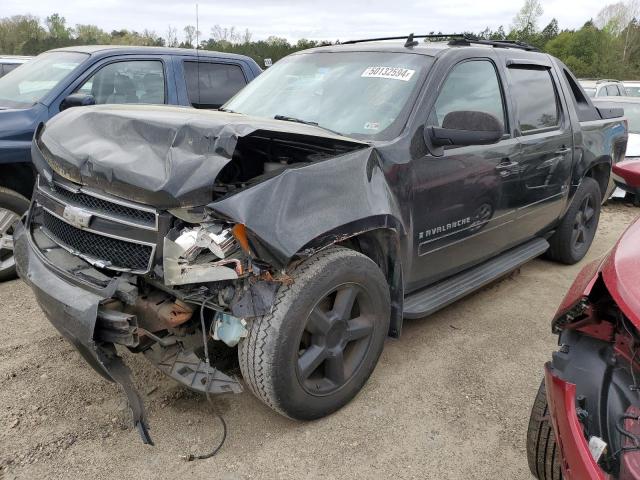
(315, 205)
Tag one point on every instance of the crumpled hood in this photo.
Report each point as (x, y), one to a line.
(621, 273)
(162, 156)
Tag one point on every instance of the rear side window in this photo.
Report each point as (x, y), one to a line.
(470, 86)
(535, 96)
(612, 91)
(209, 85)
(7, 67)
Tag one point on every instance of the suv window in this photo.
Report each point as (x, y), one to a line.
(136, 81)
(209, 85)
(612, 91)
(472, 86)
(7, 67)
(535, 96)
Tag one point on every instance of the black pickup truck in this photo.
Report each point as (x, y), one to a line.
(347, 188)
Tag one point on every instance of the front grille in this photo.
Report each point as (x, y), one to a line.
(100, 205)
(113, 252)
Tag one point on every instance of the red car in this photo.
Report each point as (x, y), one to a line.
(585, 421)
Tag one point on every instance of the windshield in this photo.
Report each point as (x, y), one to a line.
(591, 92)
(360, 94)
(30, 82)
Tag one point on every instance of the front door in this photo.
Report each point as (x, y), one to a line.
(464, 202)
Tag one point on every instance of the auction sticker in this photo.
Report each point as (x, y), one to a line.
(393, 73)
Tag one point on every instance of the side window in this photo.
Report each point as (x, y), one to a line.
(622, 91)
(138, 81)
(470, 86)
(7, 67)
(612, 91)
(209, 85)
(535, 96)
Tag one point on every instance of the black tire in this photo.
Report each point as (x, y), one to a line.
(571, 241)
(292, 362)
(12, 207)
(543, 454)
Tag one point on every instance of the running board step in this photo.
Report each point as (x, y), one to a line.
(425, 302)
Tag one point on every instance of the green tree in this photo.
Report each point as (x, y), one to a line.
(57, 27)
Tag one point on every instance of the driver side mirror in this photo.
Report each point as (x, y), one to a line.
(77, 100)
(462, 128)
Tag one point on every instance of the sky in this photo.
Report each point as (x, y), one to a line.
(313, 19)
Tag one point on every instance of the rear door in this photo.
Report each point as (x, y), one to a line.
(543, 129)
(208, 82)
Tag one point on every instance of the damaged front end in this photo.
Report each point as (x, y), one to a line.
(593, 381)
(185, 239)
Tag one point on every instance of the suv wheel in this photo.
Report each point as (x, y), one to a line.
(542, 449)
(12, 206)
(571, 241)
(316, 349)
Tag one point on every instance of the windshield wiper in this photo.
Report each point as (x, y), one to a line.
(305, 122)
(294, 119)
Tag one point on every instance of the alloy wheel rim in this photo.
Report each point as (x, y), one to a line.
(335, 340)
(584, 222)
(7, 220)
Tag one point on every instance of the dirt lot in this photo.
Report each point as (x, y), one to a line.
(450, 399)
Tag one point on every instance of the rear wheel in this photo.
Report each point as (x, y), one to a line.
(542, 450)
(320, 344)
(12, 206)
(571, 241)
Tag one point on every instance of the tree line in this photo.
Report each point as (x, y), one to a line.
(607, 45)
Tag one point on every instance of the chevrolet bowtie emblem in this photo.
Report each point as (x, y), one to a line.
(77, 216)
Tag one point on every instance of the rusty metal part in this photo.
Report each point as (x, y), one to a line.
(176, 313)
(154, 312)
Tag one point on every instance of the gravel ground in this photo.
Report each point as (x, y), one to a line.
(450, 399)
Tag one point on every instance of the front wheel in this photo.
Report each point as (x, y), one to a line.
(571, 241)
(543, 454)
(316, 349)
(12, 206)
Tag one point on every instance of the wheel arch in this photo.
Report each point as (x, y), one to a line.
(379, 239)
(19, 177)
(601, 173)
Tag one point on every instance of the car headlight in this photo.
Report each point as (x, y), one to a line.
(201, 254)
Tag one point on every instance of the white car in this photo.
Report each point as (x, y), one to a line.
(632, 87)
(11, 62)
(603, 88)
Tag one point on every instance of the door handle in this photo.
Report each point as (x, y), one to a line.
(506, 167)
(562, 150)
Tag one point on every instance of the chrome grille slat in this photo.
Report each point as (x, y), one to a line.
(120, 235)
(110, 251)
(100, 205)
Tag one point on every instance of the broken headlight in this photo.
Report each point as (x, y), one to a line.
(201, 254)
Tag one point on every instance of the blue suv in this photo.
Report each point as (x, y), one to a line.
(86, 75)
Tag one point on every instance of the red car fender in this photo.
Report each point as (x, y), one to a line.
(577, 462)
(629, 171)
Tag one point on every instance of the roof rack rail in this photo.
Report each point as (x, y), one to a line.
(409, 38)
(468, 40)
(606, 80)
(455, 39)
